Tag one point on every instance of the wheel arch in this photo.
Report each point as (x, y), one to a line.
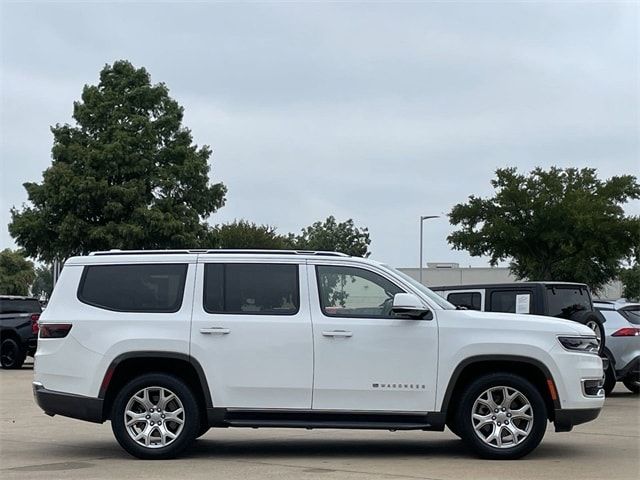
(530, 368)
(129, 365)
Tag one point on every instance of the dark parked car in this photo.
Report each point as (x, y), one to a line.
(571, 301)
(18, 329)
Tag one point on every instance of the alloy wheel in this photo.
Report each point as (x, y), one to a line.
(502, 417)
(154, 417)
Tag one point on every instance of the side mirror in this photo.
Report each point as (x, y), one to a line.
(408, 305)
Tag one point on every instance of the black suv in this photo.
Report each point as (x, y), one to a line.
(18, 329)
(571, 301)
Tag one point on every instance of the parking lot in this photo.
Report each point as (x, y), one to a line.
(34, 446)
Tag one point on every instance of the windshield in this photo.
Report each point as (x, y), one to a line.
(441, 302)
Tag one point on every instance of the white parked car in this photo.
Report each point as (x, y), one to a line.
(166, 344)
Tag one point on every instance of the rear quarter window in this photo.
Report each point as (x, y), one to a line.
(153, 288)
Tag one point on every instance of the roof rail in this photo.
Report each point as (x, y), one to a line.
(221, 251)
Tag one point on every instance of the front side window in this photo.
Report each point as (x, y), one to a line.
(468, 300)
(354, 292)
(257, 289)
(156, 288)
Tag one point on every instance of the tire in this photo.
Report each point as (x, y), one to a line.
(204, 428)
(451, 425)
(609, 380)
(594, 321)
(142, 396)
(12, 355)
(632, 382)
(530, 415)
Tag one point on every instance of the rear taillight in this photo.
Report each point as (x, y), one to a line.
(627, 332)
(54, 330)
(34, 323)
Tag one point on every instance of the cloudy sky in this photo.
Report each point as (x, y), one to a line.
(380, 112)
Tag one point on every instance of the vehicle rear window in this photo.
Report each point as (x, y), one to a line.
(19, 305)
(563, 302)
(251, 289)
(632, 314)
(155, 288)
(469, 300)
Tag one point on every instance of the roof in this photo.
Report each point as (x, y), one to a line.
(220, 251)
(505, 284)
(620, 304)
(17, 297)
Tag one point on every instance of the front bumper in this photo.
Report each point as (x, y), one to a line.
(566, 419)
(68, 405)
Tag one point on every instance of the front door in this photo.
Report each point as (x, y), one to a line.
(367, 359)
(251, 331)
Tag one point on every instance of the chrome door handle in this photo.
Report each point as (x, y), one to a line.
(217, 330)
(337, 333)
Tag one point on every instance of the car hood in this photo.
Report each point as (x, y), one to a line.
(527, 321)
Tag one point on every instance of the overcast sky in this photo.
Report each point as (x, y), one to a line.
(377, 112)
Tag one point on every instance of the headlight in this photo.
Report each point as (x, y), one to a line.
(580, 344)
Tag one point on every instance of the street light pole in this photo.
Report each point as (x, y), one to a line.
(422, 219)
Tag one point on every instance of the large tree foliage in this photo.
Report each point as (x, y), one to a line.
(126, 175)
(43, 284)
(556, 224)
(331, 235)
(630, 278)
(16, 273)
(244, 234)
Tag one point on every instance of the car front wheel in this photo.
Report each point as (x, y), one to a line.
(501, 416)
(155, 416)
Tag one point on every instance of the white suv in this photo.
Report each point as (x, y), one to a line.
(166, 344)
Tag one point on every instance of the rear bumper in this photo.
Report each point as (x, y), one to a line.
(68, 405)
(566, 419)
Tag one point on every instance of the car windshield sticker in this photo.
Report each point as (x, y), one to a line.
(522, 303)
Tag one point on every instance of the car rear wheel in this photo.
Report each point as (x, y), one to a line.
(155, 416)
(501, 416)
(11, 354)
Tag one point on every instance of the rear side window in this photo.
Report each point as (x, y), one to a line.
(18, 305)
(251, 289)
(632, 314)
(510, 301)
(470, 300)
(153, 288)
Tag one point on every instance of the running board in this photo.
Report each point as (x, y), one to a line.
(220, 417)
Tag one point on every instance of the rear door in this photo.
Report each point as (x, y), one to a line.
(251, 332)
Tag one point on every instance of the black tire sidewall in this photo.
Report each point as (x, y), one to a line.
(475, 389)
(189, 430)
(587, 316)
(609, 379)
(632, 384)
(19, 353)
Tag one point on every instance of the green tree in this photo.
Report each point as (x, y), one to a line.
(556, 224)
(126, 175)
(630, 278)
(244, 234)
(43, 281)
(16, 273)
(331, 235)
